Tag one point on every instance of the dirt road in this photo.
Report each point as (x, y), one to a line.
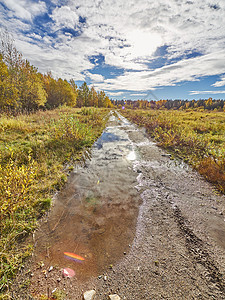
(147, 226)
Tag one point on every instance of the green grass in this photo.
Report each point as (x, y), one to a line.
(196, 136)
(37, 152)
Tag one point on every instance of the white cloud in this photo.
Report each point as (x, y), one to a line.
(25, 9)
(206, 92)
(51, 59)
(138, 94)
(185, 70)
(64, 16)
(126, 33)
(35, 36)
(94, 77)
(220, 83)
(115, 93)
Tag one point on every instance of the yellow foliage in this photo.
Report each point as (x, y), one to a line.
(15, 185)
(7, 123)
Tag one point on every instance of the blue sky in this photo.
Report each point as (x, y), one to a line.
(173, 49)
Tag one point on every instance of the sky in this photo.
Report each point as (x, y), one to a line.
(133, 49)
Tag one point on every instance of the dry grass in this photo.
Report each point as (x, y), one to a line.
(196, 136)
(35, 150)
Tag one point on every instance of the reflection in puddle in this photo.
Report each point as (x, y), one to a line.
(108, 137)
(94, 217)
(131, 156)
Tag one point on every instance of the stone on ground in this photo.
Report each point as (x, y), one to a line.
(114, 297)
(89, 295)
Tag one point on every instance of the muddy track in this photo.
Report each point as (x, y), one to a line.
(147, 226)
(198, 251)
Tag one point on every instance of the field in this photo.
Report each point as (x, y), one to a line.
(198, 137)
(37, 153)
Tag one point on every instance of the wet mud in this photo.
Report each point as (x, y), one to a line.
(147, 226)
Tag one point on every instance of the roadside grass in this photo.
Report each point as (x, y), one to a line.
(198, 137)
(37, 152)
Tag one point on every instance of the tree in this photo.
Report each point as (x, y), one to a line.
(8, 91)
(31, 91)
(22, 87)
(93, 97)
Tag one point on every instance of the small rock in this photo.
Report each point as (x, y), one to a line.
(50, 269)
(89, 295)
(59, 279)
(100, 276)
(67, 272)
(111, 266)
(124, 253)
(114, 297)
(105, 278)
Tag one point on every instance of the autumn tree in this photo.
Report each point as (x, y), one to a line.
(8, 91)
(31, 91)
(23, 88)
(93, 97)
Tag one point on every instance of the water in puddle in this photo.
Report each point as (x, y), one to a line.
(95, 214)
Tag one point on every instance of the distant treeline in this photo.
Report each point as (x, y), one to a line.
(208, 104)
(23, 88)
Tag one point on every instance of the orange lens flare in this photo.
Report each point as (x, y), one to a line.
(73, 256)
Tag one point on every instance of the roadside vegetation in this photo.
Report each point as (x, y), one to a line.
(37, 152)
(196, 136)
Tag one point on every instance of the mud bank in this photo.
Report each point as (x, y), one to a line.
(147, 226)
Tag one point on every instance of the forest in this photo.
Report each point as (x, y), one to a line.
(23, 88)
(201, 104)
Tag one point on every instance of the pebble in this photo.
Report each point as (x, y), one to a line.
(50, 269)
(89, 295)
(114, 297)
(105, 278)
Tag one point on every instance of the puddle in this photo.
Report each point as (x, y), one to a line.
(95, 214)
